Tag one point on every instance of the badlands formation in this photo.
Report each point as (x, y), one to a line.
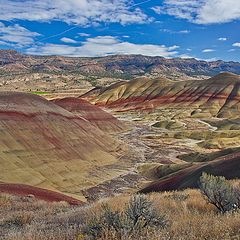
(146, 134)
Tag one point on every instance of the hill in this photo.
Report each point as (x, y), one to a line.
(217, 96)
(98, 117)
(46, 146)
(225, 165)
(36, 193)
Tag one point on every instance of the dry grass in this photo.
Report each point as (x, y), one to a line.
(190, 217)
(28, 218)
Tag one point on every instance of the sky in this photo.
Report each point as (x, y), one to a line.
(202, 29)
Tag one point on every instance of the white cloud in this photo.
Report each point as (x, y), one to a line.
(157, 9)
(186, 56)
(202, 11)
(222, 39)
(166, 30)
(174, 47)
(174, 32)
(5, 43)
(184, 31)
(84, 34)
(68, 40)
(80, 12)
(210, 59)
(236, 44)
(103, 46)
(16, 34)
(208, 50)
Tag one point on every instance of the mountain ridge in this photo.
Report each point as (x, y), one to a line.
(121, 65)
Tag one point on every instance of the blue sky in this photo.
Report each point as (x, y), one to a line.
(203, 29)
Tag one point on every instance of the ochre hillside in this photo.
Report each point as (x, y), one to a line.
(44, 145)
(92, 113)
(217, 96)
(123, 93)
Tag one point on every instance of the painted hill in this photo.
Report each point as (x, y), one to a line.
(92, 113)
(125, 93)
(217, 96)
(37, 193)
(226, 165)
(46, 146)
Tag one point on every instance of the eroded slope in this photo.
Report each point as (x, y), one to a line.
(98, 117)
(218, 96)
(44, 145)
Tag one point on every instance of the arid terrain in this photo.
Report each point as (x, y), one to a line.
(66, 76)
(91, 142)
(76, 131)
(188, 216)
(119, 120)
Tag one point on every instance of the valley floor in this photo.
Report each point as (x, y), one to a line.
(148, 146)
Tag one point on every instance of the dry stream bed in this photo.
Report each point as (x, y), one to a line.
(146, 145)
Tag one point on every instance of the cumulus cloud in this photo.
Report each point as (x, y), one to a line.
(186, 56)
(222, 39)
(174, 32)
(174, 47)
(17, 35)
(157, 9)
(80, 12)
(68, 40)
(236, 44)
(184, 31)
(201, 11)
(84, 34)
(103, 46)
(208, 50)
(210, 59)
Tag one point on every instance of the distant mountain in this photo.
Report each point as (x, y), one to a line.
(117, 66)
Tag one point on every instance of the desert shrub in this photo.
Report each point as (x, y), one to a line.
(219, 192)
(18, 221)
(139, 215)
(236, 190)
(178, 196)
(108, 220)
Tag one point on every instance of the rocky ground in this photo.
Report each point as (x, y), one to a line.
(146, 145)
